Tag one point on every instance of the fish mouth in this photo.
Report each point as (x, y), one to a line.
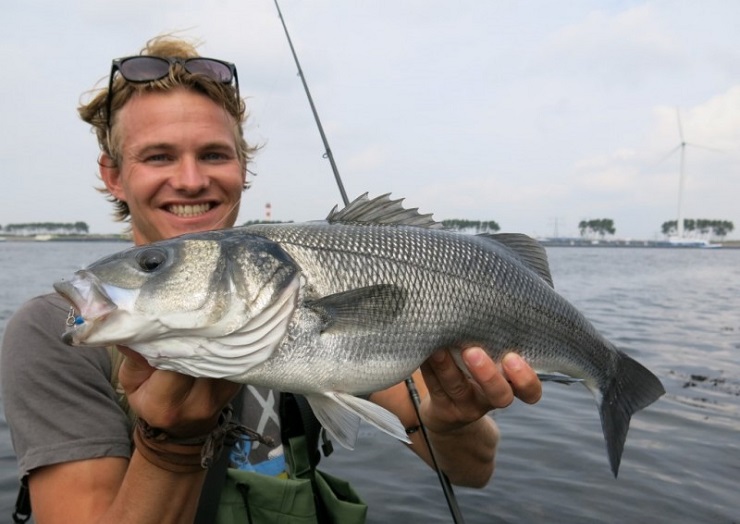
(91, 304)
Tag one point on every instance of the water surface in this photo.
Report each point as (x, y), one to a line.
(676, 311)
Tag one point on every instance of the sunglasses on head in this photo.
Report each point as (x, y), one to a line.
(141, 68)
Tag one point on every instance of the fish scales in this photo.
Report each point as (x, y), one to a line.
(456, 285)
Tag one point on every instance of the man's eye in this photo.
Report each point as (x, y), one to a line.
(214, 156)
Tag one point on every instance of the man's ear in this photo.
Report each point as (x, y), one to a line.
(111, 176)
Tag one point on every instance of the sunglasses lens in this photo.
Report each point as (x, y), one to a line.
(211, 68)
(144, 68)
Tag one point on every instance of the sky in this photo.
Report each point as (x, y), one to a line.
(535, 114)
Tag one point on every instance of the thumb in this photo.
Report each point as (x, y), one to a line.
(134, 370)
(132, 356)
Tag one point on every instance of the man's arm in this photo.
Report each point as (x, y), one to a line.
(454, 408)
(118, 490)
(113, 489)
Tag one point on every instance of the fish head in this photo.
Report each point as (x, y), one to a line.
(144, 292)
(206, 285)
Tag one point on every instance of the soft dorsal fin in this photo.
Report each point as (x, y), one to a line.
(381, 210)
(526, 249)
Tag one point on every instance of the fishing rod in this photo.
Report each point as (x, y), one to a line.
(327, 150)
(413, 393)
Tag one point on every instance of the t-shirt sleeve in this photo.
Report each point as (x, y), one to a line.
(59, 402)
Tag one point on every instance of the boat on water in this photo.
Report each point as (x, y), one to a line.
(691, 243)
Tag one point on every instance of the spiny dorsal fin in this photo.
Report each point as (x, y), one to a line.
(527, 249)
(381, 210)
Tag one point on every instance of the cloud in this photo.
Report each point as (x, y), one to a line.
(612, 174)
(518, 112)
(620, 47)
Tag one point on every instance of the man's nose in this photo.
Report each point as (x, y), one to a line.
(190, 176)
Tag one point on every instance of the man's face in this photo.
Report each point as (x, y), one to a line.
(179, 170)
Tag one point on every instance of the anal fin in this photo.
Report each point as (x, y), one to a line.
(340, 414)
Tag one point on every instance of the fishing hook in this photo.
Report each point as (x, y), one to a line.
(73, 319)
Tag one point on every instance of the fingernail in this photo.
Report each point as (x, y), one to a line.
(473, 357)
(512, 362)
(438, 356)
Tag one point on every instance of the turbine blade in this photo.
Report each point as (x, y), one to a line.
(669, 154)
(712, 149)
(680, 128)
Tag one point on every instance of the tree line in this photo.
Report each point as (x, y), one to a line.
(456, 224)
(597, 226)
(258, 222)
(50, 228)
(702, 226)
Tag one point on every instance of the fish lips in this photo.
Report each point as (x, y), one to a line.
(87, 295)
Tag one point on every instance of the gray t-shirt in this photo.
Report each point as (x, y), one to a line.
(60, 404)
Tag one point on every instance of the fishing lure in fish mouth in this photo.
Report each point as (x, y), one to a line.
(73, 319)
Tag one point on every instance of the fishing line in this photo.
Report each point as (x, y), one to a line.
(413, 393)
(443, 480)
(221, 223)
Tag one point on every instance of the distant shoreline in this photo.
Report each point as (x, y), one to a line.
(546, 242)
(658, 244)
(66, 238)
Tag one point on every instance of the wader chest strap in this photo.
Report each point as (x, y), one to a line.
(210, 495)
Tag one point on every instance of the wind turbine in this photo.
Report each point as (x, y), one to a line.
(681, 147)
(682, 175)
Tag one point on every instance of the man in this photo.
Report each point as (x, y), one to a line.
(173, 160)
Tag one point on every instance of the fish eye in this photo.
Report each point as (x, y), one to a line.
(151, 258)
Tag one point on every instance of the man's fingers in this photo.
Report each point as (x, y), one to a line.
(523, 379)
(134, 371)
(132, 355)
(447, 379)
(492, 383)
(171, 400)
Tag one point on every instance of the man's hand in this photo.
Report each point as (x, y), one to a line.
(455, 400)
(181, 405)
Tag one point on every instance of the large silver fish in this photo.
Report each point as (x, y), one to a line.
(343, 307)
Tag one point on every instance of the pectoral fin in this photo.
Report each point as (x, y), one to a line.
(340, 414)
(369, 307)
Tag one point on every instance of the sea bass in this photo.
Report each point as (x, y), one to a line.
(344, 307)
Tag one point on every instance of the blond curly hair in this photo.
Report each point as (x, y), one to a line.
(95, 111)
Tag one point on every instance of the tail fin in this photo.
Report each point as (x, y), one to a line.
(632, 388)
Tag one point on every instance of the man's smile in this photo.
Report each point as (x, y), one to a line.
(189, 210)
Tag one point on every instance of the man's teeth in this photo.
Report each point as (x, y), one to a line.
(189, 210)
